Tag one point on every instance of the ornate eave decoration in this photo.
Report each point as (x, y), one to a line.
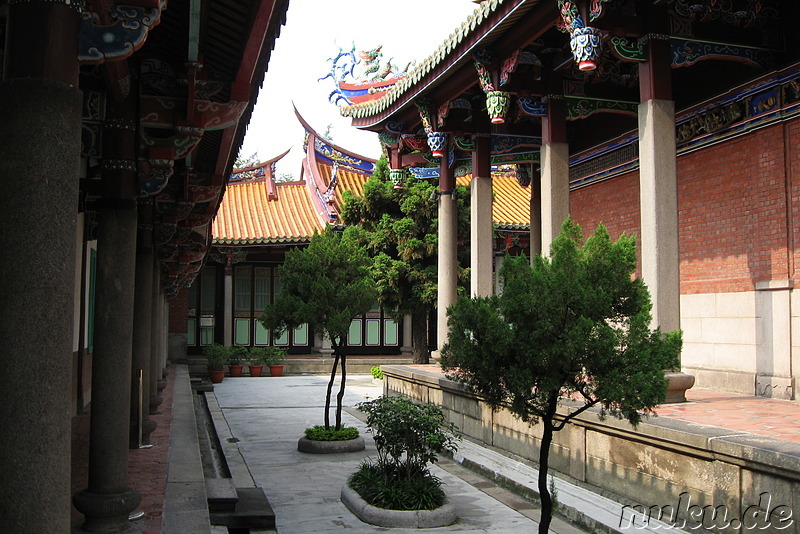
(115, 35)
(585, 41)
(687, 52)
(339, 158)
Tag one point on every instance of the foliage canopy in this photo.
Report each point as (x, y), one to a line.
(399, 228)
(325, 285)
(575, 325)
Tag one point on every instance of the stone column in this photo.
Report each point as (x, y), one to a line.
(40, 129)
(143, 308)
(155, 327)
(108, 500)
(555, 172)
(498, 265)
(448, 246)
(481, 224)
(536, 216)
(658, 189)
(658, 193)
(406, 348)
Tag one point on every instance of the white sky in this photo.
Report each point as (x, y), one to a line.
(314, 31)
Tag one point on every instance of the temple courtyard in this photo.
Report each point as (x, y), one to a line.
(258, 421)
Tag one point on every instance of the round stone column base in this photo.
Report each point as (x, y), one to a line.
(106, 512)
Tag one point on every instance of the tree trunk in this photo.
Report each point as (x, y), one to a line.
(419, 335)
(544, 456)
(330, 385)
(340, 395)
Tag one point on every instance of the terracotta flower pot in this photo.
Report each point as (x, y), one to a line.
(235, 370)
(276, 370)
(216, 375)
(256, 370)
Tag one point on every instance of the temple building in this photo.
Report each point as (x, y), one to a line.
(675, 121)
(260, 219)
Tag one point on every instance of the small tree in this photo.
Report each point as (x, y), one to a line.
(575, 325)
(325, 285)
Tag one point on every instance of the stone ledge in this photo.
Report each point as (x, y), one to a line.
(330, 447)
(439, 517)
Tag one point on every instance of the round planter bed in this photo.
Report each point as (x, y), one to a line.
(330, 447)
(439, 517)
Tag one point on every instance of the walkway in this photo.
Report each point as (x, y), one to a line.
(268, 415)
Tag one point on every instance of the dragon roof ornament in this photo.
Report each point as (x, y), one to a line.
(371, 107)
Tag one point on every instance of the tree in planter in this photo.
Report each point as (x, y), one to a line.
(399, 228)
(408, 436)
(325, 285)
(574, 325)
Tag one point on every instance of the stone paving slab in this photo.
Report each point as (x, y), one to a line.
(304, 489)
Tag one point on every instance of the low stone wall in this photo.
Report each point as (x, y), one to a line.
(665, 465)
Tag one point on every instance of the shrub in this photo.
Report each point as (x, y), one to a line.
(217, 356)
(408, 435)
(268, 355)
(237, 354)
(376, 372)
(387, 487)
(320, 433)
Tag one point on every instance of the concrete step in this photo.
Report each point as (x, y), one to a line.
(252, 511)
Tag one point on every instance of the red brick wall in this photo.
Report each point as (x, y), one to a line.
(179, 312)
(734, 226)
(732, 213)
(792, 131)
(614, 202)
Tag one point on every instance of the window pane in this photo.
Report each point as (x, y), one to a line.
(262, 334)
(241, 335)
(261, 290)
(373, 332)
(283, 339)
(301, 335)
(390, 332)
(207, 290)
(277, 282)
(194, 296)
(207, 336)
(191, 333)
(354, 335)
(242, 285)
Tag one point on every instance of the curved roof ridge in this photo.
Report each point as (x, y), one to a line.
(366, 109)
(333, 145)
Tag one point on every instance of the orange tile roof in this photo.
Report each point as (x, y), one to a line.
(247, 217)
(511, 205)
(347, 180)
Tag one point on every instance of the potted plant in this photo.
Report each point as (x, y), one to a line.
(258, 358)
(235, 357)
(217, 356)
(275, 360)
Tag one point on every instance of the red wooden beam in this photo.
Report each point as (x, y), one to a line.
(255, 42)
